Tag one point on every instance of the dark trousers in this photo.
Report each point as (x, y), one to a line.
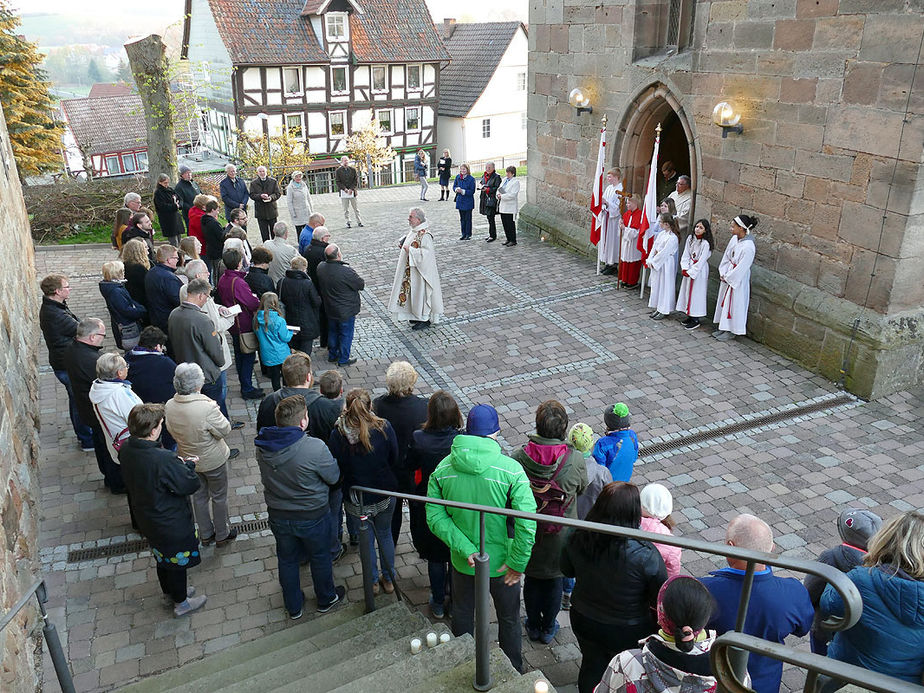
(465, 217)
(173, 583)
(322, 321)
(112, 473)
(266, 228)
(244, 365)
(335, 502)
(600, 642)
(510, 227)
(507, 605)
(301, 342)
(439, 581)
(396, 520)
(542, 600)
(492, 225)
(81, 430)
(217, 391)
(296, 541)
(275, 375)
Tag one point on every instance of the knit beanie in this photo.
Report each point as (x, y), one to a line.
(482, 421)
(857, 526)
(581, 437)
(656, 501)
(616, 417)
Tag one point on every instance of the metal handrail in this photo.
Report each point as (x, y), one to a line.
(55, 651)
(850, 596)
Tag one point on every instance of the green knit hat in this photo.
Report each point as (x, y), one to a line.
(616, 417)
(581, 437)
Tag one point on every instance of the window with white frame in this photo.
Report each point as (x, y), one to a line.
(379, 78)
(142, 158)
(521, 81)
(112, 165)
(384, 118)
(290, 80)
(411, 119)
(295, 125)
(337, 26)
(413, 77)
(338, 81)
(338, 124)
(486, 128)
(128, 163)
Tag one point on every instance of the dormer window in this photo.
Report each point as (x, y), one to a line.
(337, 27)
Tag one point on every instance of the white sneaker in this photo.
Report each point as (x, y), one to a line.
(168, 600)
(190, 605)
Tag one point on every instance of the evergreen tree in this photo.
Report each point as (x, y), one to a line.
(93, 73)
(27, 103)
(124, 72)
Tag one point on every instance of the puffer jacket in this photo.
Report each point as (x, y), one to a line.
(112, 401)
(540, 458)
(889, 638)
(199, 428)
(273, 337)
(477, 472)
(301, 301)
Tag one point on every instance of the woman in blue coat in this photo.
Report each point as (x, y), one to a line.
(464, 187)
(889, 637)
(126, 313)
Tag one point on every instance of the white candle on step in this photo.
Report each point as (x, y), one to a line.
(431, 639)
(415, 645)
(445, 637)
(541, 687)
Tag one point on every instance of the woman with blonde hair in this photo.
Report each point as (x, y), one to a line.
(137, 263)
(444, 170)
(124, 311)
(889, 637)
(190, 248)
(421, 169)
(366, 449)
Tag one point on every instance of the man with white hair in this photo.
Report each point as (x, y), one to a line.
(416, 294)
(348, 185)
(233, 191)
(282, 251)
(306, 234)
(264, 191)
(131, 204)
(778, 606)
(340, 287)
(683, 201)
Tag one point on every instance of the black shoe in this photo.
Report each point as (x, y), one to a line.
(232, 535)
(421, 325)
(207, 541)
(360, 224)
(424, 199)
(505, 243)
(652, 314)
(631, 286)
(658, 316)
(340, 554)
(234, 453)
(256, 393)
(348, 362)
(237, 425)
(461, 238)
(330, 360)
(692, 324)
(349, 225)
(338, 597)
(512, 244)
(354, 541)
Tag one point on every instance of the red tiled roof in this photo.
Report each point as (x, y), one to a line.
(101, 89)
(396, 31)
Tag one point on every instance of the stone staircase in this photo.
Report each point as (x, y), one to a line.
(344, 651)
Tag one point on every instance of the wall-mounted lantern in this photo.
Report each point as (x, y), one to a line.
(580, 101)
(726, 118)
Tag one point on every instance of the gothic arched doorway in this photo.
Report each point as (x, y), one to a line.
(636, 133)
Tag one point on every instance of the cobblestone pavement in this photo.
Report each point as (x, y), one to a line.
(523, 325)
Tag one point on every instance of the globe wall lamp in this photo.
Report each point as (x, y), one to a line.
(580, 101)
(725, 117)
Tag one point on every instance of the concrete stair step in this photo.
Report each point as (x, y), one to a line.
(340, 665)
(279, 666)
(182, 677)
(460, 678)
(523, 684)
(404, 670)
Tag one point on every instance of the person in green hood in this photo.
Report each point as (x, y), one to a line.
(477, 472)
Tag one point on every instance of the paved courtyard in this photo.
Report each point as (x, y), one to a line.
(523, 325)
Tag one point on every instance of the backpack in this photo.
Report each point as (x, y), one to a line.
(550, 498)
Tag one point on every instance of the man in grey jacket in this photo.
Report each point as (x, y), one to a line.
(297, 472)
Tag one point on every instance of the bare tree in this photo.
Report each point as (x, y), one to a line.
(148, 61)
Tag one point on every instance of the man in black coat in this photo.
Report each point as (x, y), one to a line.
(314, 254)
(162, 286)
(264, 191)
(186, 190)
(301, 302)
(340, 287)
(80, 362)
(59, 325)
(490, 182)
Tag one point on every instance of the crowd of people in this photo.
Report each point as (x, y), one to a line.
(155, 414)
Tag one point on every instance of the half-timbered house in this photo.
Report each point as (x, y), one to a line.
(319, 69)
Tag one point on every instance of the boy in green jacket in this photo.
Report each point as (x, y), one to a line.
(477, 472)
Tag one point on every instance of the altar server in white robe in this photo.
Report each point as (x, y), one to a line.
(694, 270)
(662, 261)
(612, 200)
(416, 294)
(731, 309)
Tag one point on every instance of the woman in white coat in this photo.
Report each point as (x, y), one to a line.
(662, 261)
(299, 201)
(731, 308)
(507, 195)
(112, 399)
(694, 267)
(612, 203)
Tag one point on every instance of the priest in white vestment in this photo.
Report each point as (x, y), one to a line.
(731, 309)
(683, 201)
(416, 294)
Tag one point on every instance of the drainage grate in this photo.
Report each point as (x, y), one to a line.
(744, 425)
(135, 545)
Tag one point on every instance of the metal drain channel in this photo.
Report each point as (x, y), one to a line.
(743, 425)
(135, 545)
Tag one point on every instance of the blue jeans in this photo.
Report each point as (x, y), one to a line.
(381, 534)
(295, 541)
(340, 339)
(439, 580)
(542, 599)
(465, 217)
(244, 365)
(83, 432)
(218, 391)
(567, 585)
(336, 520)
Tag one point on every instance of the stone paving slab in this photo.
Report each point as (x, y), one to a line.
(523, 325)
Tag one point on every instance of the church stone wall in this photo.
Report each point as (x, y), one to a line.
(830, 158)
(20, 646)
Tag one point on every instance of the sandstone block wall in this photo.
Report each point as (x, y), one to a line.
(20, 645)
(832, 102)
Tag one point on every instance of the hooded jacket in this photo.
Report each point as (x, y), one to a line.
(845, 558)
(477, 472)
(540, 458)
(297, 472)
(112, 401)
(426, 450)
(889, 638)
(374, 468)
(274, 337)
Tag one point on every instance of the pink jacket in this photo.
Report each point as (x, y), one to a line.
(670, 554)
